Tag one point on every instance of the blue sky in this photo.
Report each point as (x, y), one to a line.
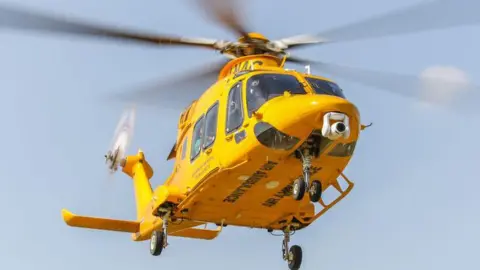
(416, 196)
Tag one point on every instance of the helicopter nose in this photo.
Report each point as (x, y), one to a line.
(298, 115)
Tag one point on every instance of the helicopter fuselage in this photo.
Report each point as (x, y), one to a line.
(246, 153)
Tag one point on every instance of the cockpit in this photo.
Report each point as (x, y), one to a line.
(265, 86)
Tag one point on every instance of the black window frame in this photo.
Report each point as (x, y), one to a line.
(242, 109)
(313, 82)
(299, 90)
(215, 105)
(201, 120)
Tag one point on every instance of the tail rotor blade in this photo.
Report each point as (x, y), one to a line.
(121, 140)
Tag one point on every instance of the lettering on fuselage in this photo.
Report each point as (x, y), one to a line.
(247, 65)
(203, 168)
(287, 190)
(250, 182)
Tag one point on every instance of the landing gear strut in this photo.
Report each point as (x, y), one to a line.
(292, 255)
(301, 185)
(158, 241)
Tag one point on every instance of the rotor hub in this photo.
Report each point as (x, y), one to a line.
(253, 36)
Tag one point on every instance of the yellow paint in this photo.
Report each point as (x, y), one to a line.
(229, 181)
(253, 35)
(252, 62)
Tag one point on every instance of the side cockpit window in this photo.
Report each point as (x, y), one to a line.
(234, 108)
(198, 130)
(211, 119)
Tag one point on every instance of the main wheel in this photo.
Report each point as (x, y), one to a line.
(295, 257)
(299, 187)
(156, 242)
(315, 191)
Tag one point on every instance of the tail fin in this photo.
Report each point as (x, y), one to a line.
(140, 172)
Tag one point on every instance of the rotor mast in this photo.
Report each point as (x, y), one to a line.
(250, 52)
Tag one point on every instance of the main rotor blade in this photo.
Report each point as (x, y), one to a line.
(15, 18)
(428, 15)
(176, 93)
(457, 94)
(227, 13)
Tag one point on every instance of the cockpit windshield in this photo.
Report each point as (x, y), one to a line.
(263, 87)
(324, 87)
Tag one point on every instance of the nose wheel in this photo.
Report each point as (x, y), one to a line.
(299, 188)
(292, 255)
(302, 185)
(315, 191)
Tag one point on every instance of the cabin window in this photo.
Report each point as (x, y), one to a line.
(234, 108)
(263, 87)
(197, 138)
(324, 87)
(210, 126)
(184, 147)
(343, 150)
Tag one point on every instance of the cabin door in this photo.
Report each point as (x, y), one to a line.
(235, 118)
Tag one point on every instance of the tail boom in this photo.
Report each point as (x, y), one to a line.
(140, 171)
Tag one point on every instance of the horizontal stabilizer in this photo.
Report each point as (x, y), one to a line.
(100, 223)
(197, 233)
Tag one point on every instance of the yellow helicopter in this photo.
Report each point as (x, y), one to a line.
(257, 148)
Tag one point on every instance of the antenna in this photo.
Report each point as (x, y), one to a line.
(307, 69)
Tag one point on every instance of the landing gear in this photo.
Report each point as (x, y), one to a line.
(301, 185)
(315, 191)
(158, 240)
(292, 255)
(295, 257)
(299, 188)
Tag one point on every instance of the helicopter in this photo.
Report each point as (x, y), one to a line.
(261, 143)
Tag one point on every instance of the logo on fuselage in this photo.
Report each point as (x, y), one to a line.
(259, 174)
(287, 190)
(247, 65)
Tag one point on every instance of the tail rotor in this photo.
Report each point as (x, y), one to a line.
(115, 156)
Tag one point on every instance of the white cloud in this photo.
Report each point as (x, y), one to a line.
(441, 84)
